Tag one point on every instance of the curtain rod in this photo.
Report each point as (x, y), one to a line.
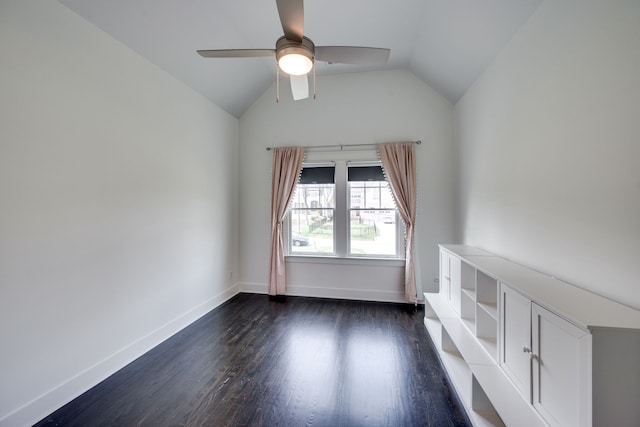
(341, 146)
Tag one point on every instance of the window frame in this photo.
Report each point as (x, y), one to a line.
(342, 219)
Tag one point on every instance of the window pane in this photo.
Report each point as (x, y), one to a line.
(312, 231)
(386, 198)
(314, 196)
(311, 219)
(373, 232)
(370, 195)
(356, 200)
(372, 221)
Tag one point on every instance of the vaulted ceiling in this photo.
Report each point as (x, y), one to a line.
(445, 43)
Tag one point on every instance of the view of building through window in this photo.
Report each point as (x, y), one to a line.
(372, 214)
(369, 212)
(311, 219)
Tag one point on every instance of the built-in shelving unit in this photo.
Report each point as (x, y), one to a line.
(456, 348)
(566, 345)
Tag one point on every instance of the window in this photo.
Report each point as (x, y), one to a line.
(372, 212)
(344, 210)
(311, 217)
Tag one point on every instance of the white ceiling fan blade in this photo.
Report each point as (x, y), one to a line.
(352, 55)
(299, 87)
(292, 18)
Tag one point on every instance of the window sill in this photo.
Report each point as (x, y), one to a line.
(319, 259)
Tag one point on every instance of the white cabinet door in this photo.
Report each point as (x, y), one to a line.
(515, 343)
(561, 369)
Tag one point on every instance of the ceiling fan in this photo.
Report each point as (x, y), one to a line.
(296, 54)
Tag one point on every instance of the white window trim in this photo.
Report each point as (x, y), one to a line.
(335, 260)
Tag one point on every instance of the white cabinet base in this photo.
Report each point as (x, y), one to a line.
(458, 351)
(524, 349)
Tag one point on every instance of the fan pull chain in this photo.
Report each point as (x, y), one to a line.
(277, 84)
(314, 78)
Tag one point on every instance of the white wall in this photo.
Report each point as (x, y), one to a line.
(118, 207)
(350, 109)
(550, 147)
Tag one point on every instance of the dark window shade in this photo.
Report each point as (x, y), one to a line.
(318, 175)
(366, 173)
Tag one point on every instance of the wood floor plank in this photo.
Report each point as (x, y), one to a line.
(258, 361)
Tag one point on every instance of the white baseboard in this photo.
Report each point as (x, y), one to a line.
(50, 401)
(326, 292)
(254, 288)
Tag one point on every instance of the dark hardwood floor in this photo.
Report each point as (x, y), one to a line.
(257, 361)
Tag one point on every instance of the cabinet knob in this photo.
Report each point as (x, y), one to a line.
(526, 349)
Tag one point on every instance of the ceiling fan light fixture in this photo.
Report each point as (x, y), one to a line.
(295, 58)
(295, 64)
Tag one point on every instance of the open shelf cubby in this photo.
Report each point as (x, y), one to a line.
(468, 309)
(468, 278)
(487, 291)
(459, 351)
